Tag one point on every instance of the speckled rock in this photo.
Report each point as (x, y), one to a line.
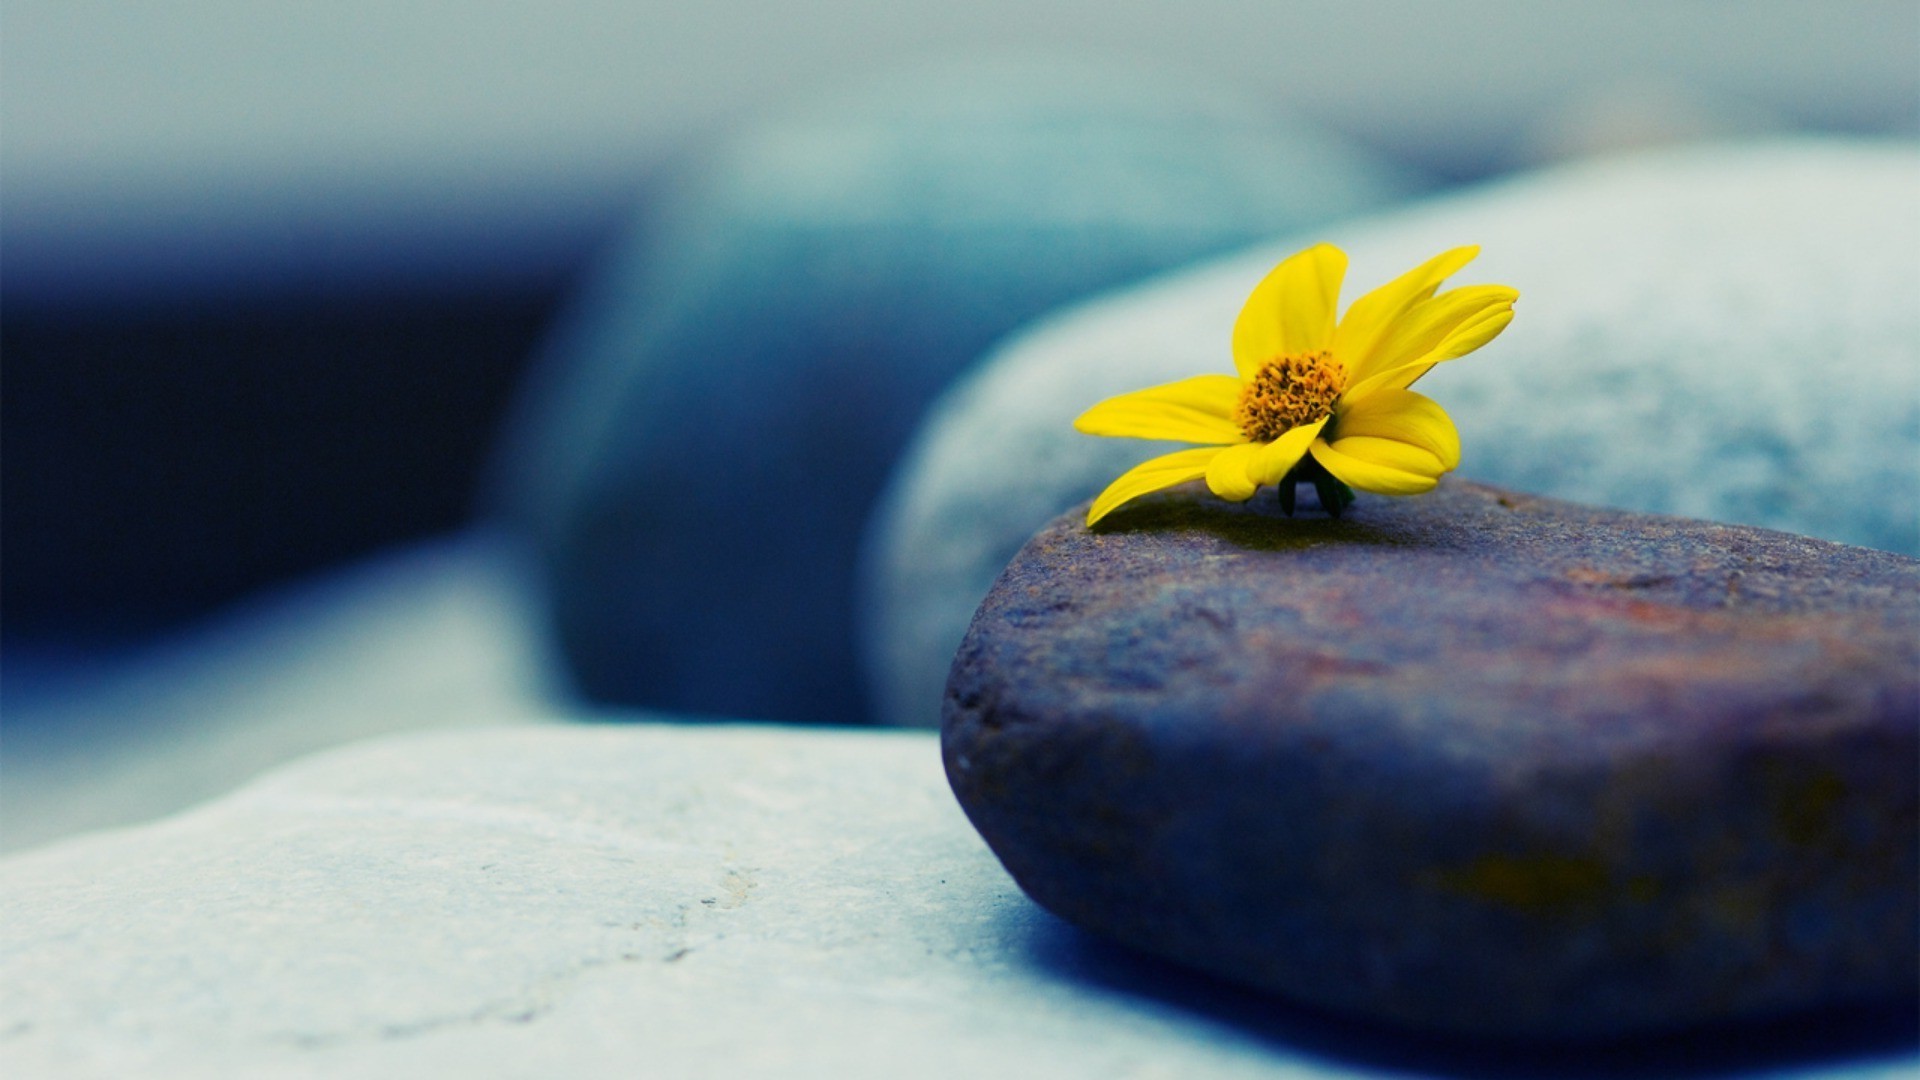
(1474, 761)
(1724, 333)
(715, 421)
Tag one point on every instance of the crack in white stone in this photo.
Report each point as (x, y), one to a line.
(536, 1001)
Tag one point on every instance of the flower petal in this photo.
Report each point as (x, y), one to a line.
(1371, 316)
(1425, 325)
(1152, 475)
(1275, 459)
(1227, 473)
(1390, 453)
(1404, 416)
(1382, 466)
(1462, 340)
(1291, 311)
(1199, 410)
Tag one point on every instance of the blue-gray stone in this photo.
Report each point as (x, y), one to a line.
(1725, 333)
(701, 451)
(1475, 761)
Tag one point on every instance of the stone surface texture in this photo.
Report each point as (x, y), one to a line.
(713, 423)
(648, 900)
(1473, 761)
(1725, 333)
(668, 901)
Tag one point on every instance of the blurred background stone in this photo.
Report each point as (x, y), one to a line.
(1727, 333)
(437, 635)
(1638, 112)
(697, 456)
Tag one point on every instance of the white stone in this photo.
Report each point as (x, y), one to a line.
(1729, 334)
(644, 900)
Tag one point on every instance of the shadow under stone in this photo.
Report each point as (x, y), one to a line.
(1863, 1036)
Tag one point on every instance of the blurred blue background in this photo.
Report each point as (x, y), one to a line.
(271, 274)
(270, 271)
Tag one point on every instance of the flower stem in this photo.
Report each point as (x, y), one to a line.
(1335, 496)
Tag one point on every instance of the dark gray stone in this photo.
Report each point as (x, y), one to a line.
(1473, 761)
(721, 411)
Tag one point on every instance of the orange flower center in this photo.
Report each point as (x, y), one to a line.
(1288, 392)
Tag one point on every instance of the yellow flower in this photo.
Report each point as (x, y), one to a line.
(1315, 401)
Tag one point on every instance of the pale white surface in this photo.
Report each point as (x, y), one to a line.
(646, 900)
(436, 635)
(1721, 333)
